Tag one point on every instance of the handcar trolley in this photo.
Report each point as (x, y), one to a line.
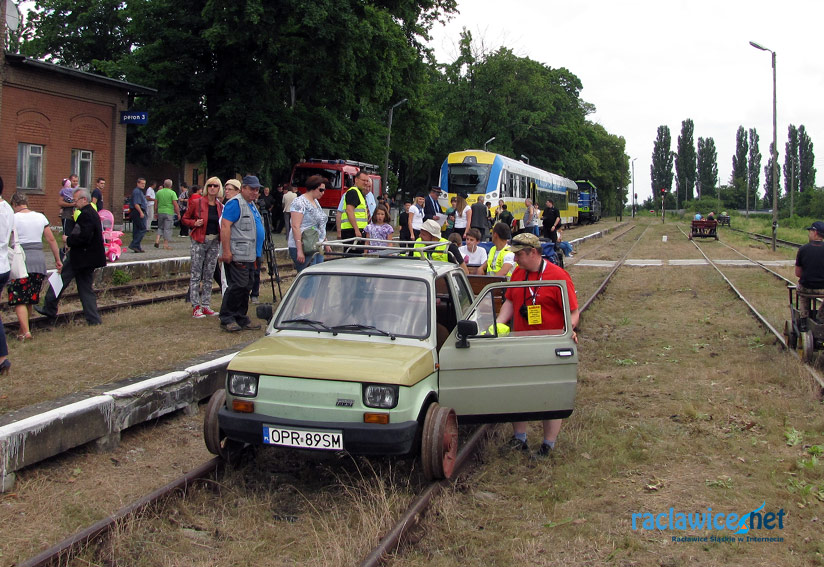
(804, 335)
(704, 229)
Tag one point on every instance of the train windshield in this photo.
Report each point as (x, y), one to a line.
(468, 177)
(303, 173)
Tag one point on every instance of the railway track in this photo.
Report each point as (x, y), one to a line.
(767, 239)
(96, 533)
(779, 335)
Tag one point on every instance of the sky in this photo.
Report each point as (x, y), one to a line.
(647, 63)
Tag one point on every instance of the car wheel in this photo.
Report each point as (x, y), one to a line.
(807, 346)
(439, 444)
(216, 442)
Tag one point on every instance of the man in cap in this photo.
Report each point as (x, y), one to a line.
(809, 267)
(536, 309)
(432, 208)
(446, 252)
(241, 238)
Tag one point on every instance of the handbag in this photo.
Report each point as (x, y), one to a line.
(17, 260)
(309, 239)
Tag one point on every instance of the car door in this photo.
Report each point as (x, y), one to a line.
(517, 376)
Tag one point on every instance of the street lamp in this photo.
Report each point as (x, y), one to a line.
(774, 150)
(526, 158)
(633, 186)
(489, 140)
(388, 138)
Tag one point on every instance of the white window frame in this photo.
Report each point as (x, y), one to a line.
(79, 159)
(30, 162)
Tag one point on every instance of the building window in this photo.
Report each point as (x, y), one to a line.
(30, 166)
(82, 166)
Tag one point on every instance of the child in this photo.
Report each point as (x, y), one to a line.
(473, 255)
(380, 228)
(565, 246)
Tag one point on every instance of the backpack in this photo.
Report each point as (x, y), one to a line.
(548, 252)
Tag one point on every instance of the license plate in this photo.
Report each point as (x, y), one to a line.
(303, 438)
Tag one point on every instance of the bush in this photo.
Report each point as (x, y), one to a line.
(119, 277)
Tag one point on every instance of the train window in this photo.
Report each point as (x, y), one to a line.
(468, 178)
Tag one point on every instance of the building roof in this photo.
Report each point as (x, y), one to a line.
(23, 61)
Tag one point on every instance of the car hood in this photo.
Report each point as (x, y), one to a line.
(336, 359)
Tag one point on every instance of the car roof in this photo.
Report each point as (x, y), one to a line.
(392, 266)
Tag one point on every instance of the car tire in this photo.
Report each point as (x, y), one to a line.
(216, 442)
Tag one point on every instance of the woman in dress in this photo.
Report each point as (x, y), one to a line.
(24, 293)
(307, 214)
(463, 215)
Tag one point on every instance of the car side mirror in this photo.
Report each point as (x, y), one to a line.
(264, 312)
(466, 328)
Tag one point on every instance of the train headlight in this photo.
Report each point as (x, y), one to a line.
(242, 384)
(380, 396)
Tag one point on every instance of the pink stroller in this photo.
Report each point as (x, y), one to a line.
(111, 237)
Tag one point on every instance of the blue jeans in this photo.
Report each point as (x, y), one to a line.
(138, 231)
(316, 258)
(566, 247)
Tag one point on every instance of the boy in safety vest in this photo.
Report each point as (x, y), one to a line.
(446, 252)
(500, 261)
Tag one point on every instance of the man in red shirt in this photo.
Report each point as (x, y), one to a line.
(535, 309)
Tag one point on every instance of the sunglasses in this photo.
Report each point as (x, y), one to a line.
(321, 189)
(213, 185)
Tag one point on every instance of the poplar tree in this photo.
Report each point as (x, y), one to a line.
(707, 166)
(662, 158)
(753, 169)
(806, 160)
(685, 161)
(791, 161)
(738, 178)
(768, 189)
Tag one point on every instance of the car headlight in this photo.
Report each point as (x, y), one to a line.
(241, 384)
(380, 396)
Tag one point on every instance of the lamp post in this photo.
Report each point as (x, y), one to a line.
(489, 140)
(774, 150)
(388, 139)
(526, 158)
(633, 186)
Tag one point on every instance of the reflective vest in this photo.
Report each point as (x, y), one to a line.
(495, 261)
(361, 213)
(440, 253)
(77, 211)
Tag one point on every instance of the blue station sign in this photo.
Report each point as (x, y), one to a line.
(134, 117)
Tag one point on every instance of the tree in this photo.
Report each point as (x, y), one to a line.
(806, 160)
(738, 177)
(768, 172)
(791, 161)
(753, 169)
(707, 167)
(662, 157)
(685, 161)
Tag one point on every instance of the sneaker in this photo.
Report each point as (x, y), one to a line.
(544, 451)
(251, 326)
(230, 327)
(255, 299)
(197, 313)
(515, 444)
(208, 312)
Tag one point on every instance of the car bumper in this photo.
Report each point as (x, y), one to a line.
(358, 438)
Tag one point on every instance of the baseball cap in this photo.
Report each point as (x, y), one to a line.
(525, 240)
(432, 227)
(251, 181)
(817, 226)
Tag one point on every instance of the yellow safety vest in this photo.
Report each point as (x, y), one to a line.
(495, 261)
(361, 212)
(77, 211)
(440, 255)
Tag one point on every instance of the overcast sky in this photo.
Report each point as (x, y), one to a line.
(644, 63)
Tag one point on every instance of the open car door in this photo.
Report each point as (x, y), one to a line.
(497, 376)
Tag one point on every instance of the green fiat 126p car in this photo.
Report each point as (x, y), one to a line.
(383, 356)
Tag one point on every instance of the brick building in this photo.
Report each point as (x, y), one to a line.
(55, 121)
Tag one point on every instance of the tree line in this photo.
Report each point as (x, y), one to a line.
(696, 172)
(257, 86)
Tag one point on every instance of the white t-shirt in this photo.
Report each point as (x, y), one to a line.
(460, 220)
(476, 258)
(150, 205)
(30, 226)
(417, 217)
(6, 225)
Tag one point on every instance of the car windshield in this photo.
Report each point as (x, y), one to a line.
(303, 173)
(358, 304)
(468, 178)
